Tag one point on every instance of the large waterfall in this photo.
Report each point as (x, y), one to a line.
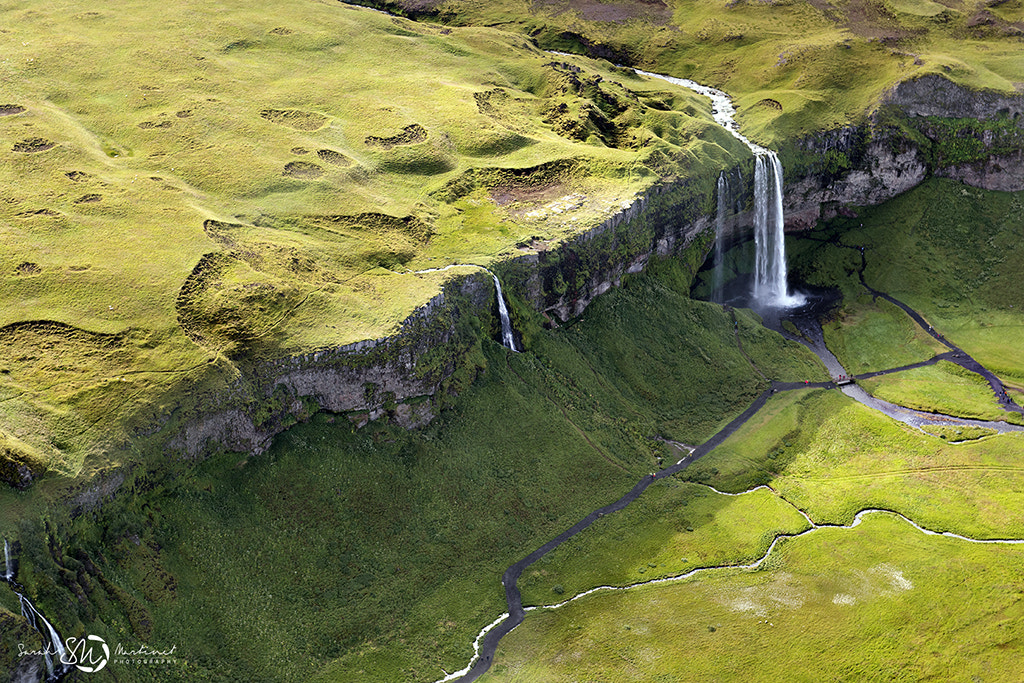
(770, 287)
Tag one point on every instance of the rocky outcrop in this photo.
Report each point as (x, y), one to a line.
(886, 169)
(933, 95)
(1003, 172)
(927, 126)
(373, 378)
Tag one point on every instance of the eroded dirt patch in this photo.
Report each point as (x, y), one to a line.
(76, 176)
(332, 157)
(503, 195)
(155, 124)
(11, 109)
(303, 170)
(295, 118)
(28, 268)
(33, 145)
(89, 199)
(654, 11)
(410, 135)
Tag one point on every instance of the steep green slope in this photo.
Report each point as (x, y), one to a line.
(381, 548)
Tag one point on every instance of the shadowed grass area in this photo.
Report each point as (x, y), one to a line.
(374, 554)
(878, 600)
(949, 252)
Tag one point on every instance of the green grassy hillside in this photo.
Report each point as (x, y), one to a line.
(374, 554)
(792, 66)
(190, 184)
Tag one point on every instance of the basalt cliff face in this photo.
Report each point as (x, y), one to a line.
(927, 126)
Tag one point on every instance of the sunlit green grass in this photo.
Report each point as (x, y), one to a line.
(942, 388)
(671, 529)
(878, 601)
(127, 129)
(792, 68)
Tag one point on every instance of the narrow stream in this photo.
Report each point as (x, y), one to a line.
(796, 308)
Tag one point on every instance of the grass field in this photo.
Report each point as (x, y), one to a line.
(792, 67)
(878, 601)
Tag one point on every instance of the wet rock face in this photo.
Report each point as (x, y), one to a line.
(885, 171)
(1003, 172)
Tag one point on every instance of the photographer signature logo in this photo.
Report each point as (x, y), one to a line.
(91, 654)
(83, 654)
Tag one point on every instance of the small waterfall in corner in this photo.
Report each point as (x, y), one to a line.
(507, 339)
(52, 643)
(718, 274)
(770, 284)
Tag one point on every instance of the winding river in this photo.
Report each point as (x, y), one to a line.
(486, 642)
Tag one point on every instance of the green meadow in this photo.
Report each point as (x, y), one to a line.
(880, 599)
(792, 67)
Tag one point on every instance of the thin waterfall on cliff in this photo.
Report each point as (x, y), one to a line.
(52, 643)
(507, 339)
(770, 286)
(718, 274)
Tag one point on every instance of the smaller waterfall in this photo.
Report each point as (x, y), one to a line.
(507, 339)
(8, 569)
(52, 643)
(718, 274)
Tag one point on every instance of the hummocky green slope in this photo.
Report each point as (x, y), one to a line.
(187, 185)
(792, 66)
